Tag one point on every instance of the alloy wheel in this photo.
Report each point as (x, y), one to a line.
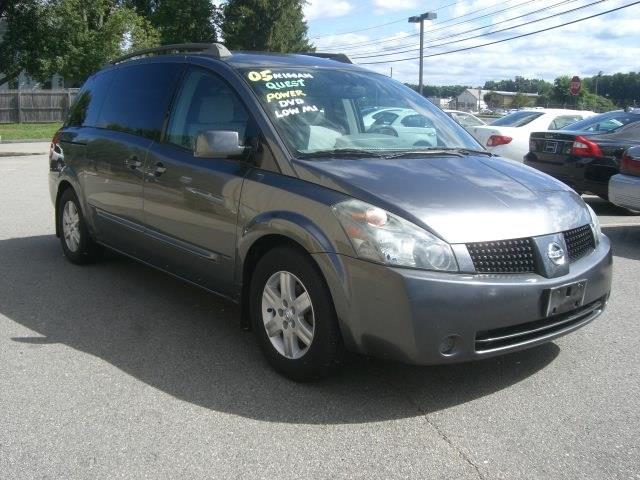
(71, 226)
(287, 313)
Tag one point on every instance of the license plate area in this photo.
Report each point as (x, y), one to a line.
(565, 298)
(550, 146)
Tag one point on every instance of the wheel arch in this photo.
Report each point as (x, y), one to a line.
(63, 186)
(271, 230)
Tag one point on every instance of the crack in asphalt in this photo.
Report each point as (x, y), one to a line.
(442, 435)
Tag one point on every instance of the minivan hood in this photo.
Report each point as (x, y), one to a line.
(460, 199)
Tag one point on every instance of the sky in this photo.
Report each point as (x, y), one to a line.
(609, 43)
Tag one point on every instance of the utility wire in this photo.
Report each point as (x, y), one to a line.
(486, 33)
(368, 43)
(403, 19)
(510, 38)
(396, 51)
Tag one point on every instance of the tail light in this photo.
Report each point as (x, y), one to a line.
(55, 152)
(583, 147)
(630, 165)
(495, 140)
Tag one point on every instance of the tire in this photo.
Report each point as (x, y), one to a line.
(77, 244)
(287, 349)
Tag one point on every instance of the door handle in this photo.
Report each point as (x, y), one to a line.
(132, 162)
(159, 170)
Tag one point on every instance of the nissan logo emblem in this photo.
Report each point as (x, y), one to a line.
(556, 253)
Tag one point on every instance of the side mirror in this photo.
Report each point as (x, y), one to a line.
(218, 144)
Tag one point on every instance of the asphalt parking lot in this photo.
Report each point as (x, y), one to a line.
(117, 371)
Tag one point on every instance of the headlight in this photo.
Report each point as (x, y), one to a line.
(382, 237)
(595, 225)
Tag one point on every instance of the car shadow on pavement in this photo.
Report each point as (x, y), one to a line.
(187, 343)
(604, 208)
(625, 241)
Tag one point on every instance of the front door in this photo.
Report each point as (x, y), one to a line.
(191, 204)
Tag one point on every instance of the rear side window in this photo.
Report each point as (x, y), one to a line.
(468, 120)
(384, 118)
(517, 119)
(139, 97)
(416, 121)
(563, 121)
(85, 109)
(605, 122)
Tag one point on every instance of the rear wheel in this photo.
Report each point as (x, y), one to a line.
(293, 316)
(77, 244)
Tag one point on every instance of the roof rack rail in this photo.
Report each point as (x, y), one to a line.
(338, 57)
(216, 50)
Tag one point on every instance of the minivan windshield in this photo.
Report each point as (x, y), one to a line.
(334, 111)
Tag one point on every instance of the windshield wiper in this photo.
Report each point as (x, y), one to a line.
(341, 153)
(470, 151)
(439, 151)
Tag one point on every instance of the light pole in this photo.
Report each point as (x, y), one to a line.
(598, 78)
(420, 19)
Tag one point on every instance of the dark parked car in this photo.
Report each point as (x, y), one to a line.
(624, 188)
(253, 176)
(586, 154)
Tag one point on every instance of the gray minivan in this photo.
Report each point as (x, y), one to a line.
(254, 176)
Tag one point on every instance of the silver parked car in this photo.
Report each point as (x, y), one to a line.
(624, 188)
(255, 177)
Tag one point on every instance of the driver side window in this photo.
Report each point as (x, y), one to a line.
(205, 102)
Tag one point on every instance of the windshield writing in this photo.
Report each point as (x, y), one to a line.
(319, 109)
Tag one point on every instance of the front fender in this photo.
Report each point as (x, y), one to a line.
(303, 231)
(292, 225)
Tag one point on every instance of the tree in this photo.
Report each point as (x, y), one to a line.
(519, 84)
(70, 37)
(441, 91)
(25, 42)
(492, 99)
(521, 100)
(266, 25)
(185, 21)
(597, 103)
(88, 34)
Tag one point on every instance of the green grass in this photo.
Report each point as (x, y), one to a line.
(28, 131)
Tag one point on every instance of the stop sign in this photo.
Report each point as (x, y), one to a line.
(575, 85)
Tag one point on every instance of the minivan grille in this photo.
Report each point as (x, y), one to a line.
(579, 241)
(506, 337)
(505, 256)
(518, 256)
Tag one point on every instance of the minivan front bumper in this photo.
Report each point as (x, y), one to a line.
(426, 317)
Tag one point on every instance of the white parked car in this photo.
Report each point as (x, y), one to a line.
(509, 136)
(402, 123)
(467, 120)
(624, 188)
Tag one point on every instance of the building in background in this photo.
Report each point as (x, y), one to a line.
(442, 102)
(476, 99)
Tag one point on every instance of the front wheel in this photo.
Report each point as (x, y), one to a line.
(293, 316)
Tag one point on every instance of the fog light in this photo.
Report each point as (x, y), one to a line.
(449, 345)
